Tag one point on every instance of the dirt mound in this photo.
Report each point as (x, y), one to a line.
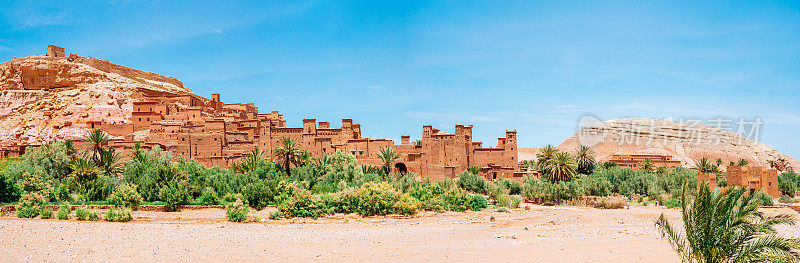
(53, 98)
(684, 141)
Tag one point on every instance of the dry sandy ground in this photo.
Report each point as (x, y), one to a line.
(541, 234)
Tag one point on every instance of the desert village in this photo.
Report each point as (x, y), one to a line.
(216, 133)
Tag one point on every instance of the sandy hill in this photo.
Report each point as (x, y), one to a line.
(45, 98)
(686, 142)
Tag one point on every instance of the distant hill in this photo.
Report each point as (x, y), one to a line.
(684, 141)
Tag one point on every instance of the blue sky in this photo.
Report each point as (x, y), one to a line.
(531, 66)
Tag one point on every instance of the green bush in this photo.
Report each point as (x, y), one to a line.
(673, 203)
(46, 213)
(372, 199)
(230, 198)
(30, 205)
(544, 191)
(477, 203)
(785, 199)
(259, 194)
(122, 214)
(303, 203)
(763, 199)
(406, 205)
(472, 182)
(788, 183)
(503, 209)
(125, 196)
(8, 190)
(63, 212)
(596, 185)
(174, 194)
(509, 201)
(84, 214)
(276, 215)
(209, 197)
(512, 187)
(456, 200)
(237, 211)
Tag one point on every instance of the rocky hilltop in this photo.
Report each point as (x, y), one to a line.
(684, 141)
(51, 97)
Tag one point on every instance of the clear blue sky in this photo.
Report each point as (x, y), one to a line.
(531, 66)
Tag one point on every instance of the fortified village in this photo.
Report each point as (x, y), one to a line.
(216, 134)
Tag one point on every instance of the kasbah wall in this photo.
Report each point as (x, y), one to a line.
(217, 134)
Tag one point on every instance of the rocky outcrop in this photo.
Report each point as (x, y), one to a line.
(54, 98)
(686, 142)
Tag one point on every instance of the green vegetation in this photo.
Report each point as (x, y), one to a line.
(236, 211)
(122, 214)
(726, 227)
(84, 214)
(63, 212)
(46, 213)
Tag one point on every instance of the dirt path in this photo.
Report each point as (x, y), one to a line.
(541, 234)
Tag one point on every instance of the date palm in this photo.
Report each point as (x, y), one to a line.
(110, 161)
(584, 158)
(727, 227)
(287, 153)
(250, 162)
(543, 157)
(742, 162)
(561, 167)
(388, 156)
(97, 140)
(84, 172)
(704, 166)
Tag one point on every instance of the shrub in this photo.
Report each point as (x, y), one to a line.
(258, 194)
(174, 194)
(543, 191)
(125, 195)
(63, 212)
(596, 185)
(276, 215)
(785, 199)
(512, 187)
(477, 203)
(303, 204)
(119, 214)
(763, 199)
(672, 203)
(788, 183)
(231, 197)
(610, 202)
(8, 190)
(472, 182)
(30, 205)
(503, 210)
(434, 204)
(237, 211)
(371, 199)
(456, 200)
(209, 197)
(84, 214)
(406, 205)
(46, 213)
(509, 201)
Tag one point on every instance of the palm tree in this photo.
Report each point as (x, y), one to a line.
(418, 142)
(110, 162)
(70, 147)
(584, 157)
(742, 162)
(137, 151)
(727, 227)
(97, 139)
(704, 166)
(543, 157)
(303, 158)
(647, 164)
(561, 167)
(388, 156)
(474, 169)
(84, 172)
(251, 161)
(287, 152)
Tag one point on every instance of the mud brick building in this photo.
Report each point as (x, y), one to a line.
(635, 160)
(750, 177)
(216, 134)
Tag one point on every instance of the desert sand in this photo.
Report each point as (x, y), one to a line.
(540, 234)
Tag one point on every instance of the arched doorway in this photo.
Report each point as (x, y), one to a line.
(401, 168)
